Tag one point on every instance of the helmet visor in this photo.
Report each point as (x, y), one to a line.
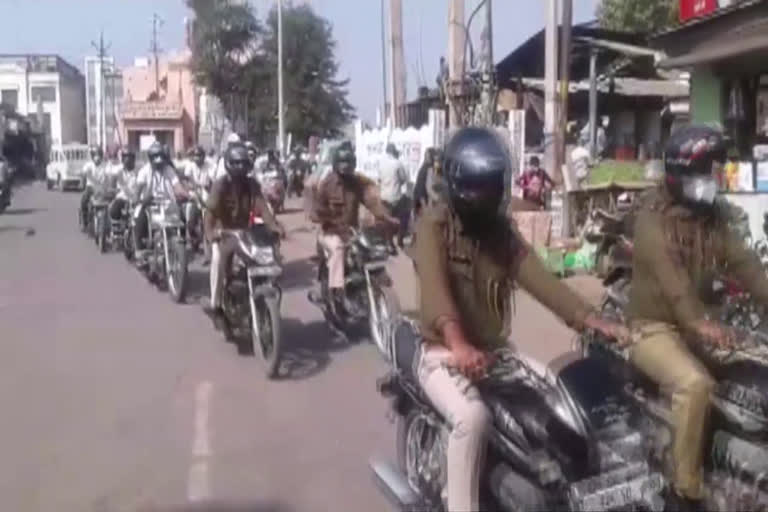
(700, 189)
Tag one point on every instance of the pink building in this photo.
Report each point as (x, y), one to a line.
(161, 101)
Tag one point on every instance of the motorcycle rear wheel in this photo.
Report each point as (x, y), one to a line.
(267, 344)
(416, 438)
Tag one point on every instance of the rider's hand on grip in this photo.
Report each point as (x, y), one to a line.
(714, 333)
(608, 328)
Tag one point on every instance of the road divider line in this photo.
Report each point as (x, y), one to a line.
(198, 481)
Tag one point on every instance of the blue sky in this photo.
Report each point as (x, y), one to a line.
(67, 27)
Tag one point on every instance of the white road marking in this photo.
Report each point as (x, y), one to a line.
(198, 481)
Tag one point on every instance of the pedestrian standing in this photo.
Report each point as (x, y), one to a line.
(393, 184)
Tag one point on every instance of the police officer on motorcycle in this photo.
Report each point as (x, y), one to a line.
(335, 208)
(157, 180)
(126, 183)
(95, 172)
(467, 255)
(683, 239)
(234, 198)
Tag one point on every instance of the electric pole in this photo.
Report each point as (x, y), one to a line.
(565, 71)
(489, 80)
(397, 57)
(456, 42)
(280, 113)
(550, 90)
(155, 49)
(383, 64)
(101, 48)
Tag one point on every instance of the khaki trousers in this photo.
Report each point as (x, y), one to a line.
(460, 403)
(334, 254)
(221, 255)
(659, 352)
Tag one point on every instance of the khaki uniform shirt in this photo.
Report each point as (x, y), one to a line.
(336, 203)
(230, 206)
(472, 282)
(676, 257)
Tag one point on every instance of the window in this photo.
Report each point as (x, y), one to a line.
(45, 93)
(10, 97)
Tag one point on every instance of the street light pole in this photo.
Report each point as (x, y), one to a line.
(280, 113)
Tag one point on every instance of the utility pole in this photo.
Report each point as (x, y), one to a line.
(101, 48)
(397, 59)
(550, 90)
(383, 64)
(456, 42)
(593, 103)
(565, 70)
(489, 80)
(280, 113)
(155, 49)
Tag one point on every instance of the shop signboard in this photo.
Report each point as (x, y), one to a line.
(690, 9)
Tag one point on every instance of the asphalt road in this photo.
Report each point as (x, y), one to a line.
(115, 399)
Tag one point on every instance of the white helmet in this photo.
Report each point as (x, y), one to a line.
(233, 138)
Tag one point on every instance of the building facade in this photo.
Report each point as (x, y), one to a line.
(160, 101)
(49, 87)
(104, 90)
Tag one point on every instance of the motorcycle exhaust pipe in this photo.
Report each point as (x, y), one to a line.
(396, 488)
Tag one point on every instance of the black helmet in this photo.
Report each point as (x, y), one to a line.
(97, 152)
(157, 156)
(344, 161)
(197, 154)
(688, 164)
(128, 159)
(251, 148)
(236, 161)
(474, 165)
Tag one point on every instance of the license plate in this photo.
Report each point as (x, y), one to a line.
(638, 490)
(265, 271)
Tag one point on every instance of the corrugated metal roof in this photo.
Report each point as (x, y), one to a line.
(627, 87)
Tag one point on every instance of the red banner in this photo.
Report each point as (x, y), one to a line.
(690, 9)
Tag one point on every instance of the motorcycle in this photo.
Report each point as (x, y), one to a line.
(565, 439)
(98, 217)
(368, 289)
(295, 183)
(167, 259)
(251, 295)
(736, 453)
(274, 190)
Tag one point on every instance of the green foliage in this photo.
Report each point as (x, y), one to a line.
(616, 171)
(236, 57)
(643, 16)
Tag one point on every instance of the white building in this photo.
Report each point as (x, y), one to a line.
(104, 90)
(30, 83)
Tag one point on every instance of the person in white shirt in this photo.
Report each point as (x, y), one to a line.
(393, 183)
(95, 172)
(199, 173)
(221, 169)
(156, 181)
(126, 177)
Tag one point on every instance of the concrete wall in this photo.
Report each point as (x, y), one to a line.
(73, 111)
(706, 96)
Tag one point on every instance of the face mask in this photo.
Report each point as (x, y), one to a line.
(701, 190)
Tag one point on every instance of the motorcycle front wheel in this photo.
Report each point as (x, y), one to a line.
(176, 270)
(103, 228)
(267, 342)
(387, 308)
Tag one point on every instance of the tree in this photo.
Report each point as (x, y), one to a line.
(315, 100)
(225, 50)
(235, 57)
(643, 16)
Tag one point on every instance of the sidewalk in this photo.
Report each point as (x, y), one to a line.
(535, 331)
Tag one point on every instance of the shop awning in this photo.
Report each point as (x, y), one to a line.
(718, 50)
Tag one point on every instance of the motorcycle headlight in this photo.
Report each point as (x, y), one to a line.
(262, 255)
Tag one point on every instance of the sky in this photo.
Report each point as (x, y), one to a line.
(68, 27)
